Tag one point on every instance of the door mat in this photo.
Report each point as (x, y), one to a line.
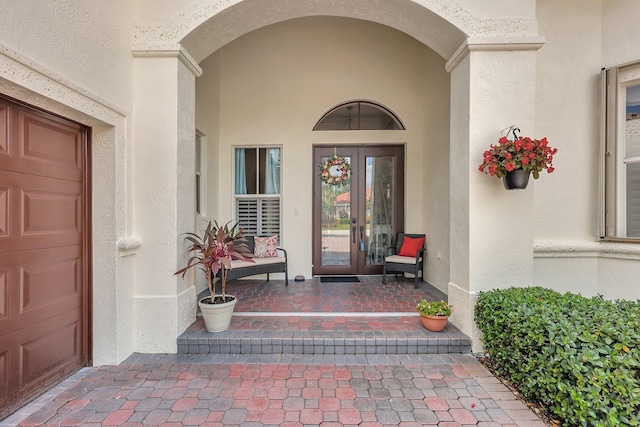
(333, 279)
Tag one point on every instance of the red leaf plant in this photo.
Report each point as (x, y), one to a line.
(213, 252)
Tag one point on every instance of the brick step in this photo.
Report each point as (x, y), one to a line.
(340, 335)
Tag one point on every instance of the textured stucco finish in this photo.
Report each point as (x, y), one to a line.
(164, 146)
(482, 212)
(128, 70)
(205, 26)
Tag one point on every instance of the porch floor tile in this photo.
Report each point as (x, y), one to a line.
(311, 317)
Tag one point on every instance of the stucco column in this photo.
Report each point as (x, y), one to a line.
(163, 175)
(492, 88)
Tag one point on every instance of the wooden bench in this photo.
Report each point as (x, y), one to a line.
(265, 265)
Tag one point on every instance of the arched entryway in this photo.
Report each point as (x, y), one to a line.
(481, 54)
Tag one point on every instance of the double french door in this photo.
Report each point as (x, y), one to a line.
(355, 220)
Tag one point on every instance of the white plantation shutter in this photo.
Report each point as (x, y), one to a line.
(269, 217)
(259, 216)
(247, 215)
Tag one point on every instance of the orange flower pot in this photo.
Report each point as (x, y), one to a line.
(434, 323)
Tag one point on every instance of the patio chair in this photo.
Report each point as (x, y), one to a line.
(407, 256)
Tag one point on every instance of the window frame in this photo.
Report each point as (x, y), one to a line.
(613, 180)
(260, 198)
(331, 119)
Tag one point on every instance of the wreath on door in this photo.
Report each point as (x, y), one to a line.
(335, 170)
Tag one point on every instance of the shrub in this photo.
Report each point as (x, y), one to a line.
(578, 357)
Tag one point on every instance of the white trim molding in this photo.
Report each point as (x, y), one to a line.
(555, 249)
(474, 44)
(178, 52)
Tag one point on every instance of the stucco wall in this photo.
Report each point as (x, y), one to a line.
(275, 83)
(88, 42)
(567, 105)
(620, 32)
(74, 59)
(581, 37)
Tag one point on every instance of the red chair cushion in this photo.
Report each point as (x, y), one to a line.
(411, 246)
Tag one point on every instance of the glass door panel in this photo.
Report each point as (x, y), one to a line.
(379, 208)
(336, 222)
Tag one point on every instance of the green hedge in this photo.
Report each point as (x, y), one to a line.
(577, 357)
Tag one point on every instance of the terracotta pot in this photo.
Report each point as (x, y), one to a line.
(217, 317)
(434, 323)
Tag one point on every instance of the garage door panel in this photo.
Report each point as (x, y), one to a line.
(41, 144)
(49, 212)
(49, 281)
(53, 344)
(44, 212)
(42, 284)
(37, 357)
(51, 146)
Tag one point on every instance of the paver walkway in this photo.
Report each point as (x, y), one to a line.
(255, 390)
(356, 388)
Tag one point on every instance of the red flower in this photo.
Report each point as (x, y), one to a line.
(532, 155)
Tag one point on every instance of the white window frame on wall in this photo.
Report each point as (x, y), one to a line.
(201, 174)
(254, 204)
(615, 157)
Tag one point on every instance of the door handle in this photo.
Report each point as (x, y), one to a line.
(362, 237)
(353, 228)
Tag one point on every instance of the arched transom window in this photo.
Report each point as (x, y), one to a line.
(359, 115)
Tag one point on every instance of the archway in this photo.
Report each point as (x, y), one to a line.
(472, 42)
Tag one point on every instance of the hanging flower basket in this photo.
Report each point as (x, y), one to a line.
(335, 170)
(521, 157)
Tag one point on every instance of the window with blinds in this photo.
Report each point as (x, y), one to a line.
(621, 153)
(257, 190)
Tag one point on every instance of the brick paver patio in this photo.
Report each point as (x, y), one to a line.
(297, 388)
(181, 390)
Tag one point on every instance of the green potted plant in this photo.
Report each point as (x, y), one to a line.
(514, 160)
(212, 252)
(434, 315)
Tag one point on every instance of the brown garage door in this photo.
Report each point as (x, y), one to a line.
(44, 284)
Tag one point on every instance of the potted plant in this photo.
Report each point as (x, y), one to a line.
(434, 315)
(514, 160)
(213, 252)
